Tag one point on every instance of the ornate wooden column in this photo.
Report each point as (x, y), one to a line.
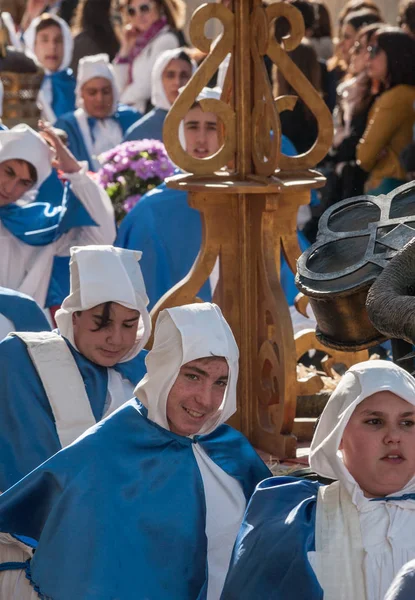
(249, 211)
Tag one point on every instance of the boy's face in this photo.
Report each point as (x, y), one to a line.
(49, 47)
(98, 97)
(15, 180)
(201, 133)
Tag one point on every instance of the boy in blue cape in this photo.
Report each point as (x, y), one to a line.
(99, 121)
(49, 39)
(148, 503)
(171, 71)
(55, 385)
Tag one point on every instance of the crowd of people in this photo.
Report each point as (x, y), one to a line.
(119, 477)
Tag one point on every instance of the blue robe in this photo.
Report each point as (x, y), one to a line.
(269, 560)
(63, 91)
(148, 127)
(121, 514)
(125, 116)
(169, 233)
(28, 434)
(22, 311)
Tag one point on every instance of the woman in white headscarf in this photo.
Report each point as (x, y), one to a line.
(172, 70)
(77, 375)
(49, 40)
(156, 492)
(99, 122)
(347, 540)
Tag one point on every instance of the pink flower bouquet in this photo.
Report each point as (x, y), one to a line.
(132, 169)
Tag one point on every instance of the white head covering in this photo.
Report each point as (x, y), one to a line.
(23, 143)
(158, 95)
(360, 382)
(105, 274)
(29, 39)
(1, 97)
(90, 67)
(11, 29)
(183, 334)
(206, 94)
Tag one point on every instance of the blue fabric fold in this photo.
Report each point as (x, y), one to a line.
(28, 434)
(22, 311)
(148, 127)
(269, 560)
(125, 116)
(63, 91)
(121, 512)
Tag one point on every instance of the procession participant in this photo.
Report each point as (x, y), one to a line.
(19, 312)
(49, 38)
(99, 122)
(72, 378)
(176, 475)
(172, 71)
(33, 233)
(349, 539)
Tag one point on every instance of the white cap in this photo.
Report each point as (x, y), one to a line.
(105, 274)
(158, 95)
(90, 67)
(29, 39)
(23, 143)
(183, 334)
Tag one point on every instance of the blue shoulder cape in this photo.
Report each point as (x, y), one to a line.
(121, 512)
(148, 127)
(22, 311)
(63, 91)
(125, 117)
(168, 232)
(27, 429)
(269, 560)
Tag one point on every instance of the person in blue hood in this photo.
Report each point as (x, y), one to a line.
(77, 375)
(147, 504)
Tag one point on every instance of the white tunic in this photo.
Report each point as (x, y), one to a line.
(27, 268)
(107, 135)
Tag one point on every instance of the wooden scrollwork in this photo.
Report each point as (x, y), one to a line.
(303, 87)
(222, 47)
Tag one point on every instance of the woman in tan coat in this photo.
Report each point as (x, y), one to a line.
(392, 116)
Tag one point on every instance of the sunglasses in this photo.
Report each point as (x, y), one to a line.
(373, 51)
(143, 9)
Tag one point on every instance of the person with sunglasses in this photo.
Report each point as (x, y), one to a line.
(152, 29)
(392, 116)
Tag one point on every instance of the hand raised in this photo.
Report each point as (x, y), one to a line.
(64, 159)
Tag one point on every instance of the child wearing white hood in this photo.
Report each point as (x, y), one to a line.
(172, 70)
(49, 40)
(155, 493)
(100, 121)
(345, 541)
(75, 376)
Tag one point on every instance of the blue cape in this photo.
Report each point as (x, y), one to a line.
(148, 127)
(27, 429)
(269, 560)
(125, 117)
(63, 91)
(121, 513)
(22, 311)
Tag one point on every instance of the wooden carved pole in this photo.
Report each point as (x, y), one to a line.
(249, 212)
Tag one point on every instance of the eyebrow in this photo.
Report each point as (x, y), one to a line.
(378, 413)
(204, 373)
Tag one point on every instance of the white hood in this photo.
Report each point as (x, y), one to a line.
(183, 334)
(23, 143)
(90, 67)
(360, 382)
(158, 95)
(105, 274)
(29, 39)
